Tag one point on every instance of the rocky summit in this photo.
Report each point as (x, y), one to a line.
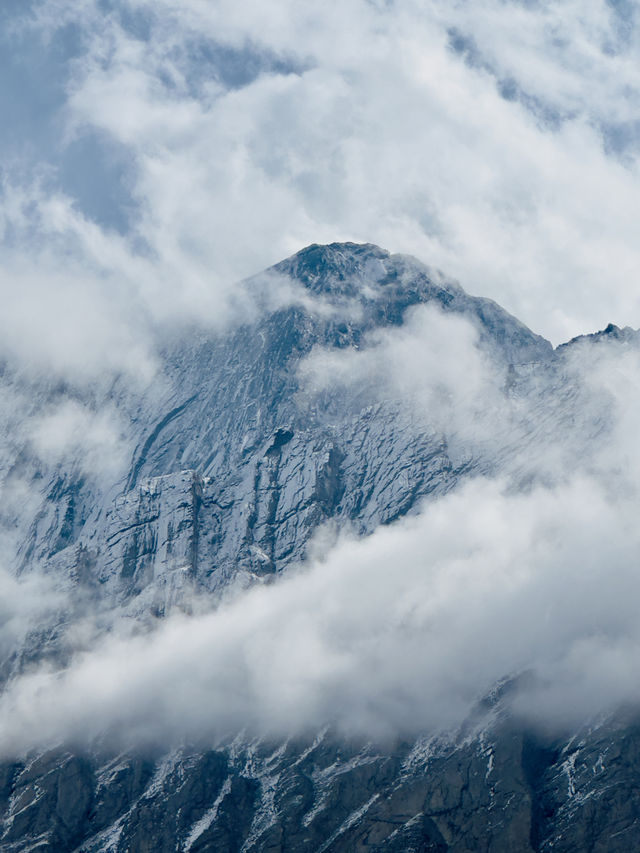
(233, 460)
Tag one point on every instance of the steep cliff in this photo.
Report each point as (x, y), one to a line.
(235, 460)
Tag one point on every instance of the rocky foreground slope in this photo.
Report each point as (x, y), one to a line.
(234, 461)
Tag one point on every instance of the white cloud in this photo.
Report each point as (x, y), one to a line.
(399, 632)
(363, 124)
(72, 434)
(371, 128)
(26, 605)
(403, 631)
(434, 366)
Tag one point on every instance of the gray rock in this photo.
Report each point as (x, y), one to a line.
(232, 470)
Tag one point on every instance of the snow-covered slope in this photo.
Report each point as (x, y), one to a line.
(233, 458)
(268, 464)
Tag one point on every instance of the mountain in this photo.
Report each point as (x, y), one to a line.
(235, 456)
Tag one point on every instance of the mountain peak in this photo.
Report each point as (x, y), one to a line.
(336, 269)
(351, 270)
(386, 285)
(610, 333)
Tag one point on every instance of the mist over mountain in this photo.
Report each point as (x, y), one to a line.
(358, 571)
(319, 417)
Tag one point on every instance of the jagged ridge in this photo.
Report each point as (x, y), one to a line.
(230, 475)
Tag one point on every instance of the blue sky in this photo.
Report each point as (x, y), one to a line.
(155, 153)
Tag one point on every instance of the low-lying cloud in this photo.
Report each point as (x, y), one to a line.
(495, 141)
(399, 632)
(71, 434)
(404, 631)
(433, 366)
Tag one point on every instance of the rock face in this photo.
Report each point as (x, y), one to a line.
(499, 790)
(233, 466)
(231, 471)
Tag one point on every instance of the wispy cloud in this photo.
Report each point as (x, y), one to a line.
(532, 570)
(477, 136)
(494, 140)
(397, 633)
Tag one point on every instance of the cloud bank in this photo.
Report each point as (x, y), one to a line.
(532, 571)
(398, 633)
(497, 141)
